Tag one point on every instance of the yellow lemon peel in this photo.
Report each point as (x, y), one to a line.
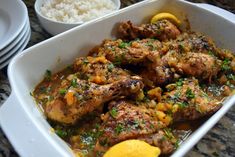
(167, 16)
(133, 148)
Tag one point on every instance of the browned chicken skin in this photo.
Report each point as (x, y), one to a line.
(99, 70)
(192, 41)
(188, 101)
(162, 30)
(122, 53)
(125, 121)
(199, 65)
(74, 100)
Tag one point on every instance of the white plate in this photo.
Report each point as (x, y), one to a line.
(15, 41)
(17, 49)
(13, 16)
(19, 44)
(28, 130)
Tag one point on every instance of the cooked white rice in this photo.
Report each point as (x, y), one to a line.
(74, 11)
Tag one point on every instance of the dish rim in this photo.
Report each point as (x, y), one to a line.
(14, 61)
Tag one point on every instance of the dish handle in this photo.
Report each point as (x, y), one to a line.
(226, 14)
(25, 135)
(10, 120)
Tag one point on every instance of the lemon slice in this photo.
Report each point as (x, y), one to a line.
(167, 16)
(133, 148)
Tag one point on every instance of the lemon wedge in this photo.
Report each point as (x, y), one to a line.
(133, 148)
(167, 16)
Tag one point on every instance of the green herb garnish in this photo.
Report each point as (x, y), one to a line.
(48, 74)
(124, 45)
(182, 104)
(211, 53)
(110, 67)
(168, 133)
(62, 91)
(118, 59)
(50, 98)
(177, 143)
(30, 93)
(150, 44)
(226, 64)
(181, 48)
(231, 77)
(113, 112)
(74, 82)
(61, 133)
(85, 61)
(179, 82)
(119, 128)
(190, 94)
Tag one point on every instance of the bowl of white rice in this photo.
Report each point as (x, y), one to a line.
(57, 16)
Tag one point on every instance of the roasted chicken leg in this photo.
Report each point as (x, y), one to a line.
(76, 98)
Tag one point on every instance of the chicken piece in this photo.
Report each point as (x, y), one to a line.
(193, 42)
(157, 76)
(199, 65)
(99, 70)
(75, 98)
(126, 121)
(162, 30)
(134, 52)
(163, 139)
(157, 71)
(188, 101)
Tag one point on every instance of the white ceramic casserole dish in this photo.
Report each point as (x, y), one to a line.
(24, 123)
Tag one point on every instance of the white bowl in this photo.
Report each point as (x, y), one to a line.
(21, 119)
(55, 27)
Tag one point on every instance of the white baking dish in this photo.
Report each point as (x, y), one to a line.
(23, 122)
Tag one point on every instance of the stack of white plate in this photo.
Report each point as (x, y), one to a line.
(14, 29)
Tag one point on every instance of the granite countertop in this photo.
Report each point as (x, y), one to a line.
(220, 141)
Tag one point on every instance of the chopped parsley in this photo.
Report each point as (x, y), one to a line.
(74, 82)
(226, 64)
(119, 128)
(113, 112)
(136, 124)
(123, 45)
(182, 104)
(168, 133)
(118, 59)
(150, 44)
(48, 75)
(61, 133)
(211, 53)
(190, 94)
(181, 48)
(85, 61)
(50, 98)
(177, 143)
(176, 96)
(113, 48)
(62, 91)
(110, 67)
(179, 82)
(231, 77)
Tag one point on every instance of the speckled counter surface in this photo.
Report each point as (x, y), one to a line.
(220, 141)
